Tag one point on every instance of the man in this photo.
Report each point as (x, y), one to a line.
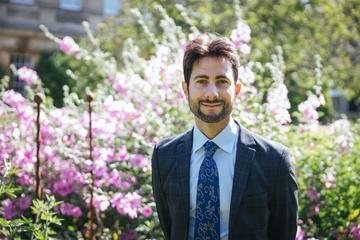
(218, 180)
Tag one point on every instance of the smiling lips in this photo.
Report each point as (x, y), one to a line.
(211, 105)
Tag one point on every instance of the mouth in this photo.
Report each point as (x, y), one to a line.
(211, 105)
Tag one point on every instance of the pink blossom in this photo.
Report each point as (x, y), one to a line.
(312, 194)
(300, 234)
(123, 153)
(329, 180)
(130, 235)
(146, 211)
(69, 46)
(125, 185)
(181, 95)
(127, 204)
(14, 99)
(100, 171)
(314, 210)
(314, 101)
(100, 202)
(116, 199)
(63, 187)
(24, 202)
(138, 161)
(245, 49)
(355, 231)
(28, 75)
(241, 36)
(120, 88)
(24, 159)
(246, 75)
(119, 84)
(71, 175)
(9, 209)
(278, 103)
(308, 108)
(76, 212)
(25, 114)
(70, 210)
(119, 109)
(134, 199)
(24, 179)
(114, 178)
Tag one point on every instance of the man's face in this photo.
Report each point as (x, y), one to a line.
(212, 90)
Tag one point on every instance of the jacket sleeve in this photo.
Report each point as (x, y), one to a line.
(284, 202)
(160, 197)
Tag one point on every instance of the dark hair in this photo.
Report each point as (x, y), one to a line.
(207, 45)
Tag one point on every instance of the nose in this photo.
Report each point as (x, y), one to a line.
(212, 92)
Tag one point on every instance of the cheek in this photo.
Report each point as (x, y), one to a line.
(194, 92)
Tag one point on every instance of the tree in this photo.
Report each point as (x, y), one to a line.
(302, 28)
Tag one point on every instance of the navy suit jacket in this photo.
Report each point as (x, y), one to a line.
(264, 194)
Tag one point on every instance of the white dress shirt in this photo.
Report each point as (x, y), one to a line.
(224, 157)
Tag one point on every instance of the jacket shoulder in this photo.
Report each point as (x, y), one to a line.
(269, 150)
(170, 142)
(269, 146)
(259, 143)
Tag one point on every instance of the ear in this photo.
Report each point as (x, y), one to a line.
(237, 88)
(185, 88)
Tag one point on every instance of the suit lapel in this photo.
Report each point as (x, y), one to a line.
(243, 163)
(183, 155)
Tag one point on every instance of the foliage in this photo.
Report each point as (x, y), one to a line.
(25, 227)
(327, 168)
(139, 102)
(302, 28)
(44, 218)
(51, 70)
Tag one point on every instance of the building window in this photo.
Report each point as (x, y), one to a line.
(73, 5)
(22, 1)
(111, 7)
(340, 103)
(19, 60)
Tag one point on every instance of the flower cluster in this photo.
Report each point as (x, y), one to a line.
(12, 208)
(241, 37)
(28, 75)
(277, 98)
(308, 108)
(69, 46)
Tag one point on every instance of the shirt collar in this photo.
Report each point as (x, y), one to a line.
(225, 139)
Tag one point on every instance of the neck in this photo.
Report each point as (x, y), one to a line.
(211, 130)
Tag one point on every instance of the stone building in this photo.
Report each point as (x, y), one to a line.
(21, 40)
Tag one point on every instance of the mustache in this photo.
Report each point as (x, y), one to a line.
(211, 102)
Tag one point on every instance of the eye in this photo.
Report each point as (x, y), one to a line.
(201, 81)
(222, 82)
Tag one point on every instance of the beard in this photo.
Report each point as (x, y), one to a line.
(213, 118)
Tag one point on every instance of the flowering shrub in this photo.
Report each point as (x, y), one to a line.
(139, 104)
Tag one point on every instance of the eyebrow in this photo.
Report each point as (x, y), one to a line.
(201, 76)
(205, 76)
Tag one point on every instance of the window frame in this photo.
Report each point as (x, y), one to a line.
(108, 10)
(28, 2)
(71, 5)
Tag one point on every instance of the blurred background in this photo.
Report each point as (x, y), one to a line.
(302, 28)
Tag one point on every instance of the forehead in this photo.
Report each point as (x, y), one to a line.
(211, 66)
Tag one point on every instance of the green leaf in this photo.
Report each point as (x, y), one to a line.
(4, 232)
(3, 222)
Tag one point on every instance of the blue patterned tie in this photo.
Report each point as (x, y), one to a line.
(207, 216)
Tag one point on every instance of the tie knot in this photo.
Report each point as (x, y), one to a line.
(210, 148)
